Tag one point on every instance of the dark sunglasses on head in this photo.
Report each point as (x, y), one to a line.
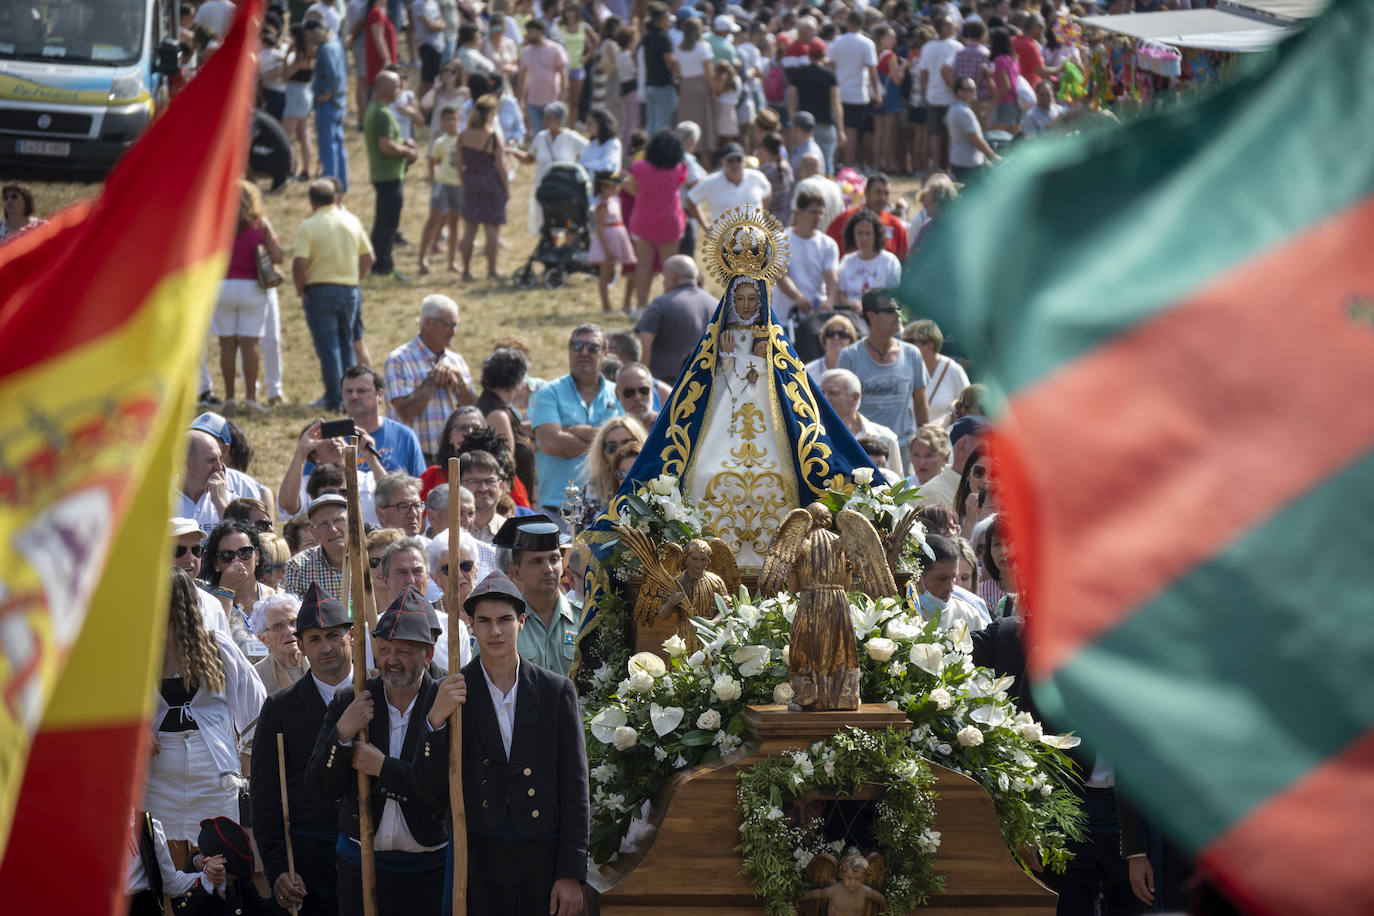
(374, 562)
(227, 556)
(642, 392)
(610, 448)
(584, 346)
(196, 551)
(263, 524)
(842, 334)
(463, 566)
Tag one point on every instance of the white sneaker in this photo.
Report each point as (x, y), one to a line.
(252, 408)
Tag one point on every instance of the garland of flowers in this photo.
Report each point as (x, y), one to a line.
(776, 852)
(660, 718)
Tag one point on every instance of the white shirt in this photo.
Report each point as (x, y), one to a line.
(828, 190)
(693, 61)
(720, 194)
(811, 258)
(212, 614)
(946, 382)
(934, 55)
(441, 656)
(858, 276)
(216, 15)
(174, 883)
(392, 832)
(853, 53)
(332, 19)
(327, 692)
(504, 705)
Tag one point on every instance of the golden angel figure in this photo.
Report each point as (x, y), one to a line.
(682, 582)
(851, 888)
(819, 565)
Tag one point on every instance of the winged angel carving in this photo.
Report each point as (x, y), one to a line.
(849, 888)
(819, 565)
(681, 582)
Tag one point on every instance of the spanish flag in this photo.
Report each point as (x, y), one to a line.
(103, 316)
(1179, 318)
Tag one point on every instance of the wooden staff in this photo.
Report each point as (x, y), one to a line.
(286, 813)
(358, 590)
(455, 722)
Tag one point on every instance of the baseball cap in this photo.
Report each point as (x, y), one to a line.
(972, 424)
(179, 526)
(724, 24)
(805, 119)
(731, 149)
(325, 499)
(214, 424)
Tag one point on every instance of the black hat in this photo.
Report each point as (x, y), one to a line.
(495, 585)
(407, 619)
(320, 610)
(973, 424)
(221, 836)
(527, 532)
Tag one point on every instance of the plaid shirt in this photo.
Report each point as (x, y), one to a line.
(311, 566)
(973, 62)
(406, 369)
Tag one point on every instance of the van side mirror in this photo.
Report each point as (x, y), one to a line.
(168, 59)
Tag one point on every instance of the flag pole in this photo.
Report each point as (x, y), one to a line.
(455, 722)
(286, 813)
(359, 590)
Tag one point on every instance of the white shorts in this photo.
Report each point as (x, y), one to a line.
(241, 310)
(184, 786)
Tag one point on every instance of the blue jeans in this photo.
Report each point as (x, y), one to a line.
(660, 107)
(827, 136)
(535, 116)
(330, 310)
(329, 136)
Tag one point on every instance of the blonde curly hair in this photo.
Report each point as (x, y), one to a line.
(197, 650)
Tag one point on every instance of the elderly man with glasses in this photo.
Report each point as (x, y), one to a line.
(425, 380)
(566, 414)
(323, 563)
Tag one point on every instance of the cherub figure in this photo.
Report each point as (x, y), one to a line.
(681, 582)
(851, 892)
(696, 595)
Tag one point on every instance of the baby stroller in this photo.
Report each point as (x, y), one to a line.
(564, 196)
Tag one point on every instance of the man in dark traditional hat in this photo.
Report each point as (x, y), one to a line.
(531, 558)
(524, 769)
(411, 835)
(227, 857)
(323, 631)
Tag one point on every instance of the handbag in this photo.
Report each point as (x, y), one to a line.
(269, 277)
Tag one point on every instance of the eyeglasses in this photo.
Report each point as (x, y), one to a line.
(374, 562)
(978, 472)
(339, 522)
(610, 447)
(451, 325)
(845, 335)
(889, 310)
(405, 507)
(262, 524)
(464, 566)
(585, 346)
(734, 158)
(283, 626)
(196, 551)
(227, 556)
(466, 428)
(481, 483)
(12, 196)
(642, 392)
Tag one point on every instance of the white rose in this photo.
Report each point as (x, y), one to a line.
(664, 484)
(1030, 731)
(624, 738)
(708, 721)
(901, 630)
(641, 682)
(941, 698)
(751, 660)
(727, 688)
(674, 646)
(970, 736)
(928, 658)
(671, 511)
(665, 719)
(782, 693)
(863, 476)
(880, 648)
(606, 722)
(944, 749)
(649, 663)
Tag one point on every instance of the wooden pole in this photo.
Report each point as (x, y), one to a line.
(455, 722)
(286, 813)
(357, 570)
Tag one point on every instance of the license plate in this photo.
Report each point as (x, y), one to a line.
(43, 148)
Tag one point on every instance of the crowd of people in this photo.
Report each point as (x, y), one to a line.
(678, 113)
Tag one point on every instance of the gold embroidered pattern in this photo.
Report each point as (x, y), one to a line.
(813, 455)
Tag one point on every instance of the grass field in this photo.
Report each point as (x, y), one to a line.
(489, 310)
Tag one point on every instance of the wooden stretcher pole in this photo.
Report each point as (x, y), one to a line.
(360, 588)
(455, 722)
(286, 813)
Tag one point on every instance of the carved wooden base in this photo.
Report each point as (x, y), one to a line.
(690, 865)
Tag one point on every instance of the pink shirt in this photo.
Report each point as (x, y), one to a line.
(242, 264)
(1009, 69)
(543, 66)
(657, 215)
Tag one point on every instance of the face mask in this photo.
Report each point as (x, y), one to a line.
(930, 605)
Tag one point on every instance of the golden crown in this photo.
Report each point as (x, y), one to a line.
(746, 242)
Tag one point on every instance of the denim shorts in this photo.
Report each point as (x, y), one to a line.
(446, 198)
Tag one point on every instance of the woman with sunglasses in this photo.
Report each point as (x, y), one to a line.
(231, 565)
(613, 435)
(377, 543)
(468, 569)
(624, 459)
(973, 498)
(273, 622)
(836, 334)
(19, 208)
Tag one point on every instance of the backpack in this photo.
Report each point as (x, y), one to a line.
(775, 83)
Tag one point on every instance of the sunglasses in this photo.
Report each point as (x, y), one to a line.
(642, 392)
(197, 551)
(610, 448)
(464, 566)
(227, 556)
(262, 524)
(891, 310)
(584, 346)
(374, 562)
(978, 472)
(845, 335)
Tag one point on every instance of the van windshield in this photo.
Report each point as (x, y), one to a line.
(73, 31)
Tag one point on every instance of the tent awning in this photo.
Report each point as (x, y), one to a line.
(1212, 30)
(1286, 9)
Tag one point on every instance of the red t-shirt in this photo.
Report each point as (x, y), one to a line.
(373, 59)
(896, 232)
(1029, 58)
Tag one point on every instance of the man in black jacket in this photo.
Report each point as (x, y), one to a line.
(411, 834)
(324, 633)
(524, 769)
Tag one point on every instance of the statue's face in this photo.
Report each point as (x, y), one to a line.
(853, 877)
(746, 301)
(696, 560)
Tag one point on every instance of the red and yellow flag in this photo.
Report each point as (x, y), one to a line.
(104, 312)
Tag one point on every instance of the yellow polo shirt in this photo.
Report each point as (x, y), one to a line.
(331, 240)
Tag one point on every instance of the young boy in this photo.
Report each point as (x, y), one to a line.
(446, 200)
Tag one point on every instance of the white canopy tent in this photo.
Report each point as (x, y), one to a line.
(1208, 29)
(1284, 9)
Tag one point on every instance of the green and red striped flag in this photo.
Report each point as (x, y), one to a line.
(1177, 318)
